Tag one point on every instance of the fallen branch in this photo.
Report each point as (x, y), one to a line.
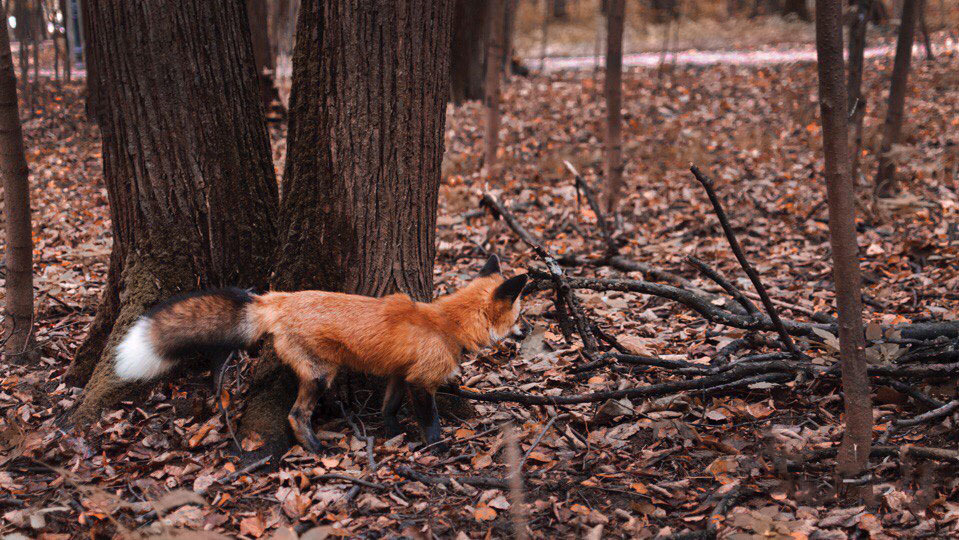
(727, 285)
(940, 454)
(784, 336)
(483, 482)
(346, 478)
(736, 378)
(930, 416)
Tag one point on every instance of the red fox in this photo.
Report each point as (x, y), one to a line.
(416, 345)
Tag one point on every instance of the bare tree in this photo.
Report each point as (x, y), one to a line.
(494, 72)
(886, 175)
(16, 208)
(187, 165)
(840, 192)
(614, 98)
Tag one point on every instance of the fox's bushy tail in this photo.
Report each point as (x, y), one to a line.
(207, 322)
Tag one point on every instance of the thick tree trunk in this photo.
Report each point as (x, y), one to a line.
(367, 112)
(263, 59)
(494, 73)
(468, 54)
(187, 165)
(886, 175)
(614, 98)
(18, 316)
(857, 102)
(840, 192)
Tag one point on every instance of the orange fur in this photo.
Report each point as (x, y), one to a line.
(317, 333)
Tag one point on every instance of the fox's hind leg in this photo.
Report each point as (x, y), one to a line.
(302, 411)
(392, 402)
(427, 415)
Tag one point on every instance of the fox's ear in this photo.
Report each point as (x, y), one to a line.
(511, 288)
(491, 267)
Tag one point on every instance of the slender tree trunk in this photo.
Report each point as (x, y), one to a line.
(614, 98)
(857, 102)
(262, 53)
(36, 35)
(840, 192)
(68, 57)
(927, 40)
(494, 73)
(886, 175)
(21, 10)
(16, 208)
(187, 165)
(363, 168)
(471, 23)
(544, 36)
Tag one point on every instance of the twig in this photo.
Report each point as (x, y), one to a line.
(539, 437)
(475, 481)
(727, 285)
(930, 416)
(346, 478)
(517, 508)
(741, 257)
(594, 205)
(220, 375)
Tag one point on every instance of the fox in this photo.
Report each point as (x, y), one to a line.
(416, 346)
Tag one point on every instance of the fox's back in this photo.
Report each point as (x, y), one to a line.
(383, 336)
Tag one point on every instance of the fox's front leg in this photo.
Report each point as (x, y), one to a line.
(302, 411)
(427, 415)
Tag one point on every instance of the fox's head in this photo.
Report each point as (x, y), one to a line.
(502, 302)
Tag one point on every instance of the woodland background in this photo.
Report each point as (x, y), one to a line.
(197, 144)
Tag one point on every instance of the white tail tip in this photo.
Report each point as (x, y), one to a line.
(136, 357)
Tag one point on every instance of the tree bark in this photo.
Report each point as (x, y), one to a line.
(16, 209)
(187, 164)
(263, 59)
(840, 193)
(857, 102)
(886, 175)
(468, 55)
(494, 73)
(363, 167)
(614, 98)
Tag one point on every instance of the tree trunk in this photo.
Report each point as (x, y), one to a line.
(544, 36)
(494, 73)
(468, 54)
(263, 59)
(857, 102)
(926, 39)
(22, 12)
(68, 57)
(363, 167)
(886, 175)
(16, 209)
(798, 8)
(840, 193)
(559, 10)
(187, 164)
(614, 98)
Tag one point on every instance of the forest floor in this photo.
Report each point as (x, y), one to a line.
(625, 468)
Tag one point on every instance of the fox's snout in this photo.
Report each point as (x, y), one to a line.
(520, 330)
